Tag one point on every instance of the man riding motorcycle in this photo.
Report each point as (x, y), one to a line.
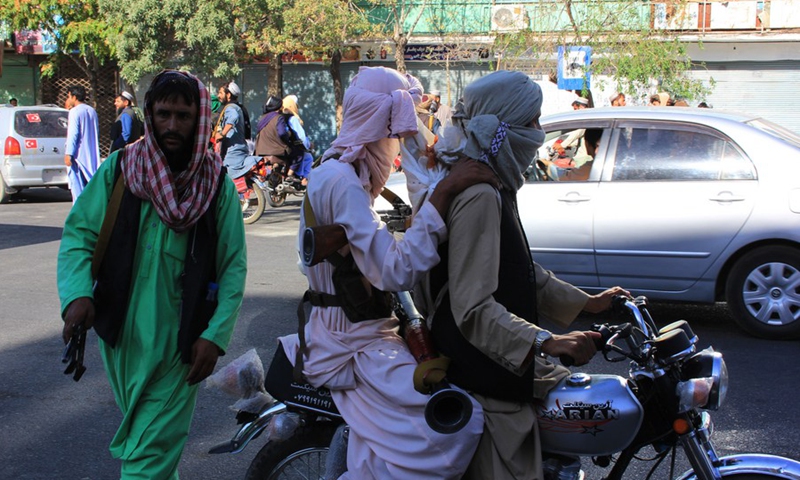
(486, 295)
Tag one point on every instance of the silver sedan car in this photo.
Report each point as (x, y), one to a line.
(673, 203)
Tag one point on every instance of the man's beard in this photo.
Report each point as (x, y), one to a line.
(177, 158)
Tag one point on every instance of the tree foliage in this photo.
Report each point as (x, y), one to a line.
(80, 32)
(328, 27)
(196, 35)
(399, 20)
(625, 44)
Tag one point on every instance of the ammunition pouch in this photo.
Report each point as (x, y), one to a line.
(359, 299)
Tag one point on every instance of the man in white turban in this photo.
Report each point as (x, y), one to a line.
(367, 365)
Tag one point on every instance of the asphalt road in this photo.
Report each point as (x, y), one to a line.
(54, 428)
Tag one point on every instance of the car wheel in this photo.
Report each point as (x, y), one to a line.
(763, 292)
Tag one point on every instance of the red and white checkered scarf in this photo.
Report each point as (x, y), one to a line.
(179, 200)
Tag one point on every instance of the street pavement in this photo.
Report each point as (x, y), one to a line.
(54, 428)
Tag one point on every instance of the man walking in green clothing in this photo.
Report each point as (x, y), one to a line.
(168, 289)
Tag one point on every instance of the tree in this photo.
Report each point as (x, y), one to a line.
(195, 35)
(261, 25)
(400, 18)
(328, 26)
(80, 32)
(626, 44)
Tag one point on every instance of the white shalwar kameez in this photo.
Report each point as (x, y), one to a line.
(367, 365)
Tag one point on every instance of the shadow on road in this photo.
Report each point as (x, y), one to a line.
(42, 195)
(12, 236)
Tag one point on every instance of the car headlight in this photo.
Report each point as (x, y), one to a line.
(705, 381)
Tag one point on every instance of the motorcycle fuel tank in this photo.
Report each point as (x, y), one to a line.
(589, 415)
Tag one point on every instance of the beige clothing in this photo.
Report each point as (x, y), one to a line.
(508, 449)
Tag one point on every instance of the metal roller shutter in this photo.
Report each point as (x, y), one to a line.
(765, 89)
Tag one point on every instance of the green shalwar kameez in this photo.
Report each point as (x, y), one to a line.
(144, 368)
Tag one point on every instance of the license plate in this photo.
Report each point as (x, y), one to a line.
(54, 175)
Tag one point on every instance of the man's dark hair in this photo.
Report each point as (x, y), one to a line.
(78, 92)
(170, 86)
(592, 136)
(12, 100)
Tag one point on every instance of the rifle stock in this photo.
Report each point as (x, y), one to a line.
(321, 241)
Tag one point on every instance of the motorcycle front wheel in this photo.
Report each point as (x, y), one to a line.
(302, 456)
(253, 204)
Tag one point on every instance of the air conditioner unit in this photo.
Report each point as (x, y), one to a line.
(508, 18)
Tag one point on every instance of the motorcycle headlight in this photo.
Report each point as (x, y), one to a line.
(705, 381)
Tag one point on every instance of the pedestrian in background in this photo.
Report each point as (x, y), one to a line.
(127, 128)
(170, 285)
(231, 133)
(617, 100)
(82, 150)
(13, 102)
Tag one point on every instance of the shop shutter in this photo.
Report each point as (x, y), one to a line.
(764, 89)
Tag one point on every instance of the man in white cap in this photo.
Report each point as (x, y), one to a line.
(442, 111)
(233, 131)
(580, 103)
(127, 127)
(617, 99)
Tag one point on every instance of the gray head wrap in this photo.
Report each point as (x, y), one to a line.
(492, 124)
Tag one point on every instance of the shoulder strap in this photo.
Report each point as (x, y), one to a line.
(108, 221)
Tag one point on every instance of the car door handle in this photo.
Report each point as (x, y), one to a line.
(726, 197)
(574, 197)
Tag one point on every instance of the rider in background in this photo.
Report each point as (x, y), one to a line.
(302, 168)
(364, 361)
(231, 133)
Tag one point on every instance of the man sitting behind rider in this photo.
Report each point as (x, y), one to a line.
(364, 361)
(301, 167)
(486, 295)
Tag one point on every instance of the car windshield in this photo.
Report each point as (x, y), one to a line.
(776, 131)
(41, 123)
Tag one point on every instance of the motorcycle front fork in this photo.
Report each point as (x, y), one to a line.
(700, 451)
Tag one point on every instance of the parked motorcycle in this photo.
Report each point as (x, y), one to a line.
(663, 403)
(280, 185)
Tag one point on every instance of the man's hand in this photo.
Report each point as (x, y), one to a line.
(68, 160)
(578, 345)
(204, 359)
(602, 301)
(463, 174)
(80, 311)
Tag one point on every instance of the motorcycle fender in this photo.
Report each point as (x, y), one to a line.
(250, 430)
(774, 466)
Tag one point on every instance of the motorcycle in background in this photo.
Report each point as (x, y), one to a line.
(252, 187)
(280, 185)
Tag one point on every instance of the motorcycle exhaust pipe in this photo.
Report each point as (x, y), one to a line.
(448, 410)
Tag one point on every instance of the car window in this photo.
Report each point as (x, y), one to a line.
(41, 123)
(677, 154)
(776, 131)
(567, 154)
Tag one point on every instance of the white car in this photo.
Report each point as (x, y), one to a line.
(34, 140)
(678, 204)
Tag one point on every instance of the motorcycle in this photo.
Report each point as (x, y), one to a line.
(664, 403)
(252, 187)
(280, 185)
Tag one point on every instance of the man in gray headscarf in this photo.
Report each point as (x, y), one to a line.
(486, 294)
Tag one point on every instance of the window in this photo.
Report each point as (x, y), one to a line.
(41, 123)
(566, 154)
(678, 153)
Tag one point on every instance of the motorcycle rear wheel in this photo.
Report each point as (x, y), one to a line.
(253, 207)
(302, 456)
(276, 199)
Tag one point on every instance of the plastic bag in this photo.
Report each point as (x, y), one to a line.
(243, 378)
